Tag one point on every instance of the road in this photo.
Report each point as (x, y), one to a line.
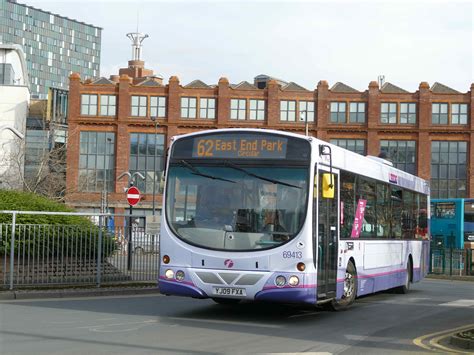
(385, 323)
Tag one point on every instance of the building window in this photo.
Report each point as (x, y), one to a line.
(96, 161)
(408, 113)
(88, 105)
(357, 112)
(401, 153)
(448, 169)
(237, 109)
(257, 110)
(439, 113)
(287, 110)
(207, 108)
(139, 106)
(188, 107)
(459, 113)
(157, 106)
(338, 112)
(306, 111)
(388, 112)
(146, 157)
(354, 145)
(108, 104)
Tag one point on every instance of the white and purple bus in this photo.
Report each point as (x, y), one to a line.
(263, 215)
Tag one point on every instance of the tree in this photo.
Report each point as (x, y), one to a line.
(36, 166)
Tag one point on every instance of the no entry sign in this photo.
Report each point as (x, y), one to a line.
(133, 196)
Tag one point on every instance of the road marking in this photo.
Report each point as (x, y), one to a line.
(102, 328)
(433, 346)
(216, 321)
(459, 303)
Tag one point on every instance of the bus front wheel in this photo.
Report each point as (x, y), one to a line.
(350, 289)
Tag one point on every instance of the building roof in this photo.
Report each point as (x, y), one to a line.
(197, 84)
(439, 88)
(244, 85)
(52, 13)
(291, 86)
(102, 81)
(341, 87)
(149, 82)
(264, 77)
(389, 88)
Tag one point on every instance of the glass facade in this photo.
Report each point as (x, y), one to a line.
(401, 153)
(143, 149)
(354, 145)
(96, 161)
(238, 109)
(388, 112)
(257, 110)
(357, 112)
(448, 169)
(55, 46)
(338, 112)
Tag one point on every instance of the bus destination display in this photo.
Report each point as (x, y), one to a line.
(241, 147)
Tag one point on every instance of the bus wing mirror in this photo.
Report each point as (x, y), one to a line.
(328, 185)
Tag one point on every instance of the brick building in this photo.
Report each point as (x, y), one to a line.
(427, 132)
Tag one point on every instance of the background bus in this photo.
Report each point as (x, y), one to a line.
(260, 215)
(452, 223)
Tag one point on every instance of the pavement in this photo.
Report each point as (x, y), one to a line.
(79, 291)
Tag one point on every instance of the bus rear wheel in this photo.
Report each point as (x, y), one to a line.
(350, 289)
(226, 301)
(405, 288)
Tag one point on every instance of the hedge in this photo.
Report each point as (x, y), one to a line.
(41, 235)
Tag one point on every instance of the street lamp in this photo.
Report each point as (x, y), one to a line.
(155, 121)
(305, 112)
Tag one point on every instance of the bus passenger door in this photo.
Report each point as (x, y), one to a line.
(326, 212)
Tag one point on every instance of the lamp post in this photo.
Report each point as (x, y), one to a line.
(131, 181)
(155, 121)
(305, 112)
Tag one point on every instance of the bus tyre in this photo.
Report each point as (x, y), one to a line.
(405, 288)
(350, 289)
(226, 301)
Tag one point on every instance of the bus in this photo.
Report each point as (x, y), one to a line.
(452, 223)
(266, 215)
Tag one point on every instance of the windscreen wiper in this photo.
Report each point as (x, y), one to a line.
(233, 166)
(197, 172)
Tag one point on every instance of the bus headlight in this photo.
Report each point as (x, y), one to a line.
(169, 274)
(293, 281)
(166, 259)
(280, 281)
(180, 275)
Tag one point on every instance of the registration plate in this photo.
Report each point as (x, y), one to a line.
(229, 291)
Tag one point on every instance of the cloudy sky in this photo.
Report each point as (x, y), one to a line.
(301, 41)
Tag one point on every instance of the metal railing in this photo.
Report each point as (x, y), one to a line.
(452, 262)
(76, 248)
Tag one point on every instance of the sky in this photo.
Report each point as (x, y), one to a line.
(301, 41)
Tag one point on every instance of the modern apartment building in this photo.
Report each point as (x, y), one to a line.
(55, 46)
(112, 130)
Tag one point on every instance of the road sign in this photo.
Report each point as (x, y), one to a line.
(133, 196)
(153, 224)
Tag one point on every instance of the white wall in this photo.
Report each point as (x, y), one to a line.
(14, 104)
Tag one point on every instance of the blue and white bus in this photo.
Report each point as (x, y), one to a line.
(263, 215)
